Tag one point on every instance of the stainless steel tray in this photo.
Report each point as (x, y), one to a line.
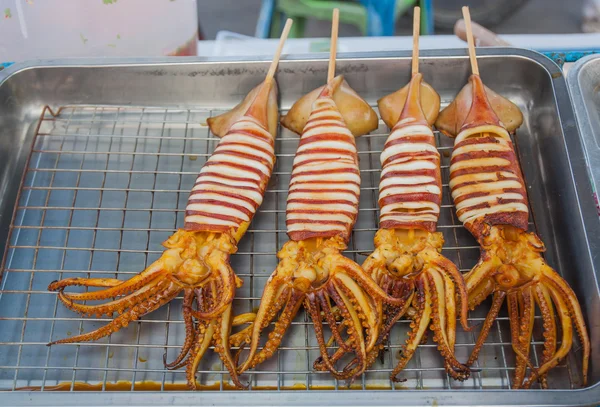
(583, 80)
(107, 178)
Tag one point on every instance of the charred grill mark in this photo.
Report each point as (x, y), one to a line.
(507, 155)
(218, 202)
(421, 197)
(217, 184)
(247, 168)
(197, 194)
(246, 156)
(233, 219)
(326, 171)
(411, 155)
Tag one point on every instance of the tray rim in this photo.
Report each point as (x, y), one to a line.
(581, 114)
(586, 208)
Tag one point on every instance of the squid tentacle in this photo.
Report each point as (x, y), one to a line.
(329, 317)
(376, 342)
(354, 329)
(118, 305)
(419, 325)
(395, 313)
(244, 335)
(188, 300)
(446, 268)
(314, 310)
(227, 282)
(281, 298)
(204, 335)
(552, 278)
(221, 342)
(480, 293)
(126, 318)
(276, 335)
(457, 370)
(487, 325)
(486, 265)
(542, 298)
(114, 287)
(275, 296)
(520, 339)
(567, 340)
(84, 282)
(526, 328)
(363, 305)
(367, 283)
(513, 316)
(450, 300)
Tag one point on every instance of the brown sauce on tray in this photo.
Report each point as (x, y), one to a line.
(156, 386)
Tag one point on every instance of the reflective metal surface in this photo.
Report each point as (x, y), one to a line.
(584, 81)
(107, 179)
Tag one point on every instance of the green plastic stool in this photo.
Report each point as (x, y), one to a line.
(350, 13)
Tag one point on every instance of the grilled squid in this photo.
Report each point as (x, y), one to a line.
(221, 205)
(407, 262)
(322, 207)
(491, 201)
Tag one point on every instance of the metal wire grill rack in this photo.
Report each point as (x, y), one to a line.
(105, 185)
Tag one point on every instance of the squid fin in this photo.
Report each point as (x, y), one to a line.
(424, 103)
(260, 103)
(358, 115)
(476, 105)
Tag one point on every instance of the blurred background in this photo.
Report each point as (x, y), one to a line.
(517, 17)
(33, 29)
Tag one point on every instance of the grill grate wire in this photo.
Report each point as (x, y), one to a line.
(105, 185)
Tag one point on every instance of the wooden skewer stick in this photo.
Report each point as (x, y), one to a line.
(284, 35)
(334, 37)
(416, 30)
(472, 55)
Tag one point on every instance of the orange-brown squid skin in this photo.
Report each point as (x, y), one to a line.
(222, 203)
(321, 210)
(407, 261)
(491, 200)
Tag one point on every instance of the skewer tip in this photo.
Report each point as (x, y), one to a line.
(416, 31)
(470, 41)
(277, 56)
(334, 37)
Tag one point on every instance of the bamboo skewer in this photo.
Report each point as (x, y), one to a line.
(333, 51)
(470, 42)
(415, 49)
(284, 35)
(414, 71)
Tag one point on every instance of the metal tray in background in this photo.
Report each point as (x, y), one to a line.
(583, 81)
(107, 178)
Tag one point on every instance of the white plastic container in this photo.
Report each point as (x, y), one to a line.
(31, 29)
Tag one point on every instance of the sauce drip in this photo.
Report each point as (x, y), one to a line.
(156, 386)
